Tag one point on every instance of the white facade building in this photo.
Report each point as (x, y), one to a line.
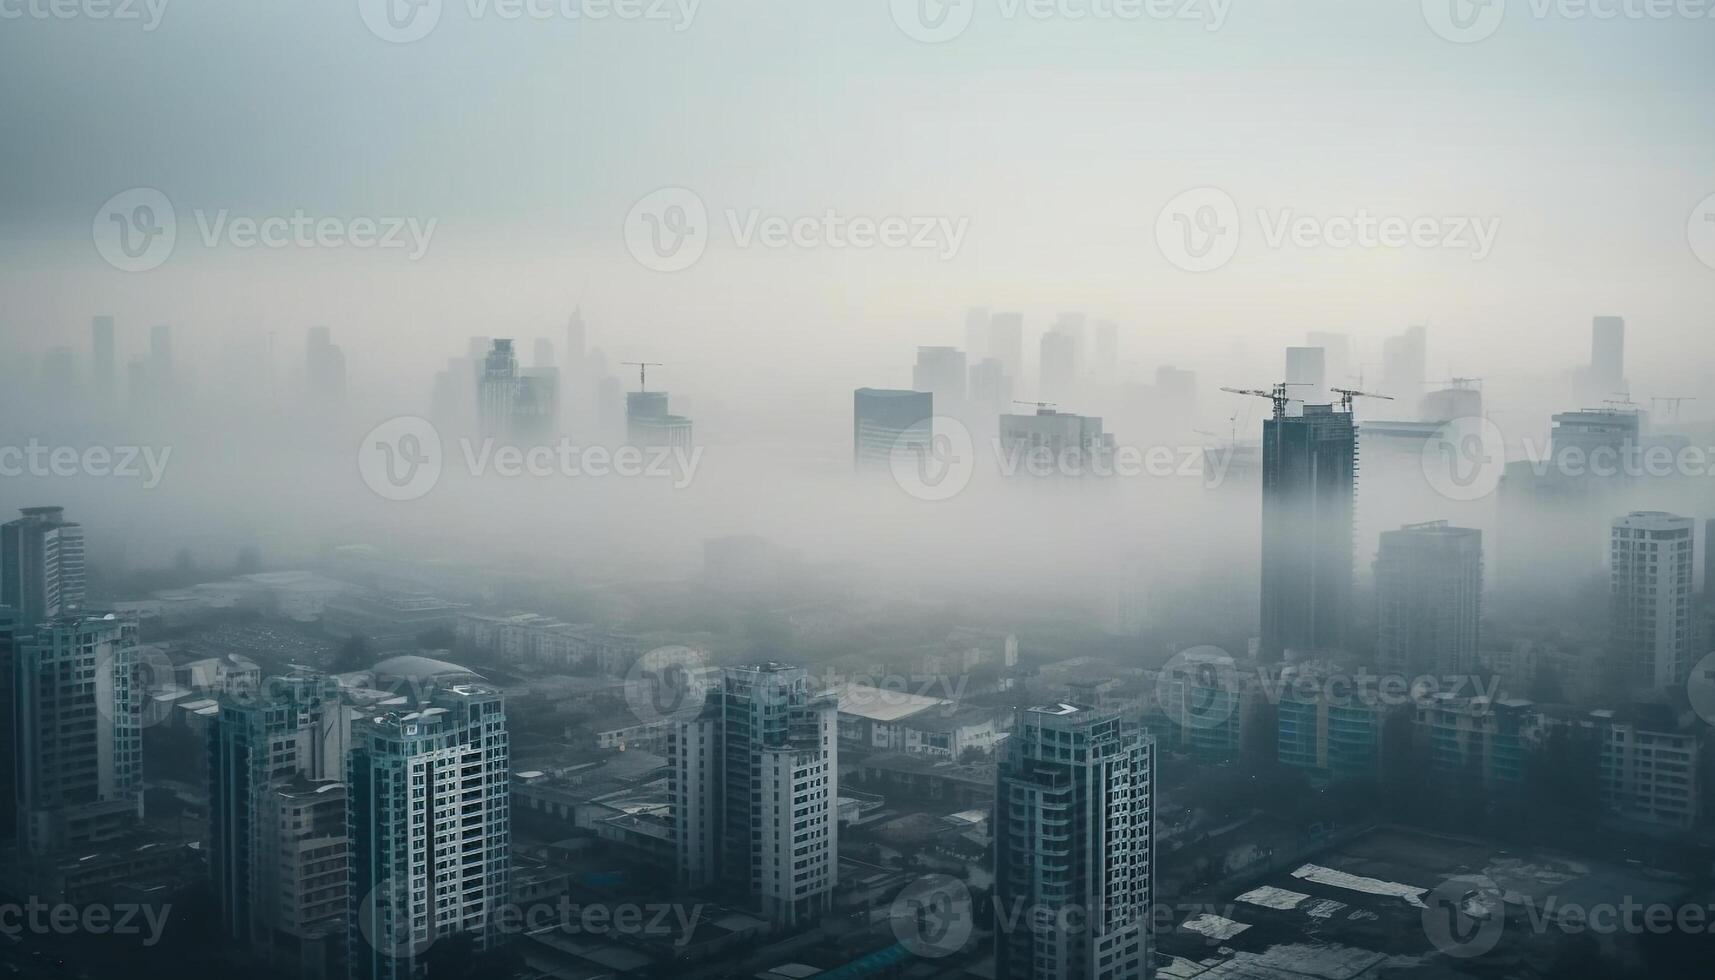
(1650, 564)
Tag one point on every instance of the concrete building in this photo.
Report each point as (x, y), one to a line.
(429, 822)
(1651, 566)
(1493, 739)
(78, 741)
(649, 423)
(1331, 738)
(753, 785)
(272, 756)
(1650, 772)
(1073, 827)
(389, 621)
(1309, 484)
(1429, 600)
(41, 565)
(1056, 443)
(887, 423)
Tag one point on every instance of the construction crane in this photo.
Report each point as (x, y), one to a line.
(642, 372)
(1673, 402)
(1278, 395)
(1039, 405)
(1347, 394)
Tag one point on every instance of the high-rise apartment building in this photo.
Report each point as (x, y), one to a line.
(889, 422)
(753, 784)
(1429, 599)
(41, 565)
(1309, 483)
(428, 817)
(293, 732)
(1650, 562)
(77, 736)
(1073, 829)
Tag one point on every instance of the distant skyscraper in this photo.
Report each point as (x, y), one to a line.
(754, 786)
(1073, 829)
(1650, 563)
(103, 368)
(515, 405)
(1309, 482)
(1429, 600)
(977, 333)
(1307, 372)
(1405, 361)
(324, 370)
(428, 818)
(941, 372)
(1337, 356)
(649, 423)
(1063, 443)
(1058, 365)
(990, 390)
(886, 422)
(1006, 342)
(41, 565)
(272, 756)
(1075, 326)
(1608, 356)
(8, 738)
(78, 733)
(575, 340)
